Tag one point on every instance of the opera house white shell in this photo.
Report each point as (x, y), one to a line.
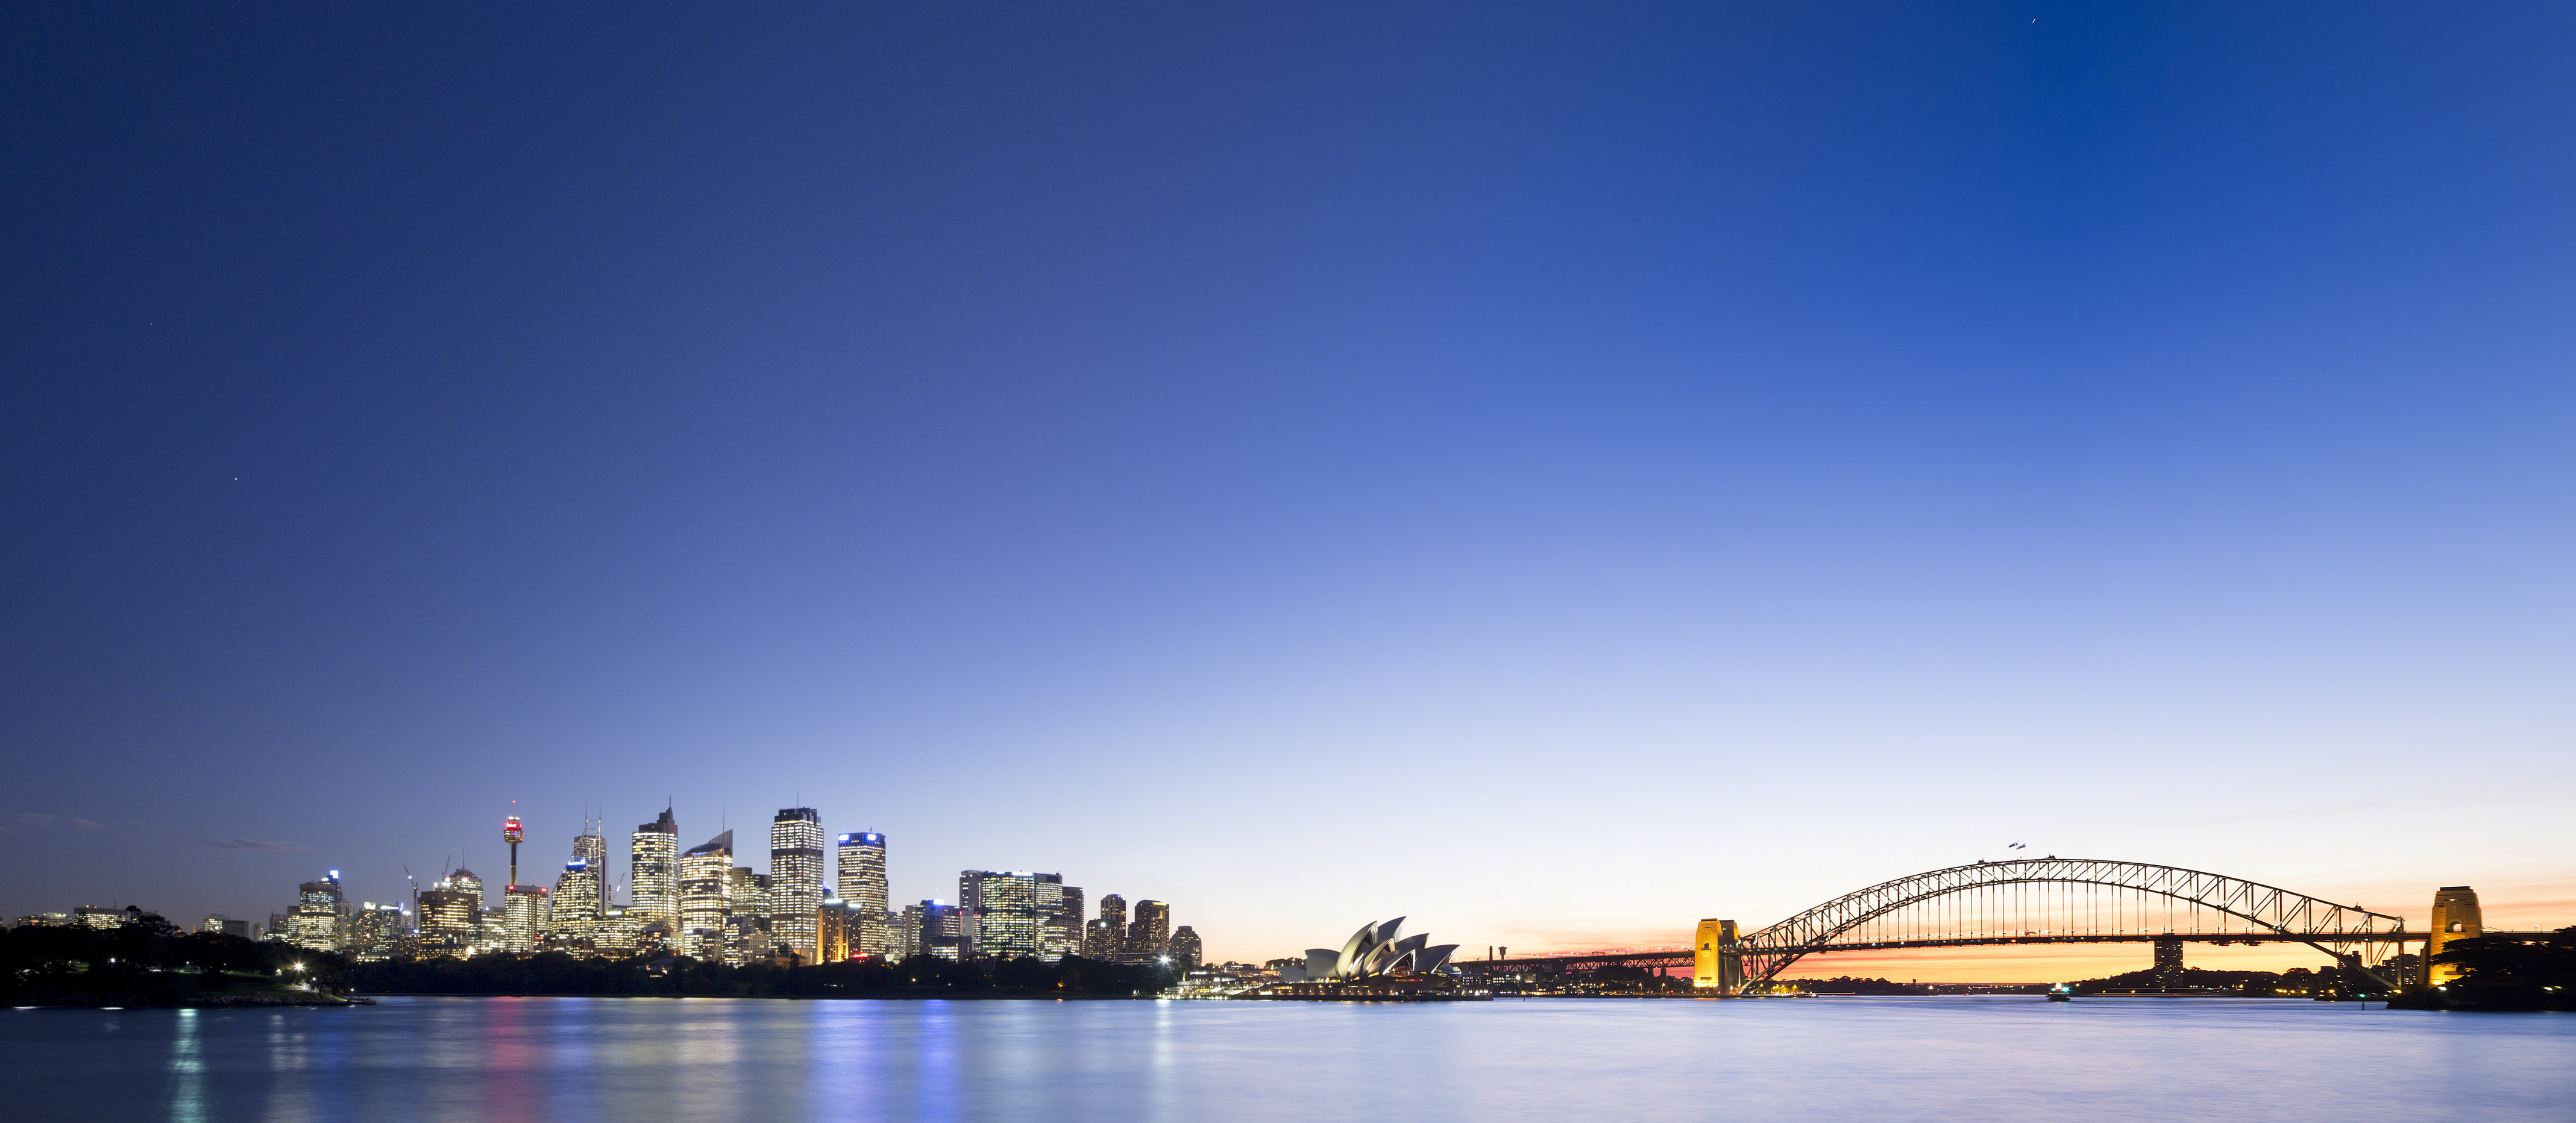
(1374, 950)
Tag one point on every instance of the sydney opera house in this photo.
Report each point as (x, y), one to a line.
(1373, 951)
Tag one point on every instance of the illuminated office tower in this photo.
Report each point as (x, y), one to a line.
(373, 928)
(1059, 918)
(1185, 947)
(318, 906)
(1106, 939)
(2168, 972)
(706, 896)
(225, 926)
(944, 930)
(970, 898)
(524, 916)
(836, 931)
(448, 910)
(576, 902)
(1006, 913)
(1101, 939)
(462, 880)
(618, 933)
(589, 846)
(861, 881)
(747, 940)
(908, 931)
(1070, 920)
(2455, 917)
(749, 921)
(1150, 937)
(653, 872)
(795, 877)
(492, 930)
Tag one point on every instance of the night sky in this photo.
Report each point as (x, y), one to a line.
(1558, 472)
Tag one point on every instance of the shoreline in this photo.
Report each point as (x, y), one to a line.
(165, 1002)
(790, 997)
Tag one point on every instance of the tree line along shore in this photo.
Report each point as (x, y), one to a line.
(147, 961)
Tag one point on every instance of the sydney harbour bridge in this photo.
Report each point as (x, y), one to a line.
(2047, 900)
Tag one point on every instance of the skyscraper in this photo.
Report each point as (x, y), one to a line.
(2169, 967)
(449, 910)
(1005, 914)
(1107, 937)
(706, 896)
(465, 881)
(908, 930)
(1185, 947)
(318, 906)
(576, 903)
(862, 883)
(749, 921)
(1059, 918)
(795, 877)
(617, 934)
(1070, 919)
(942, 930)
(524, 917)
(1150, 937)
(836, 931)
(373, 929)
(2455, 917)
(589, 846)
(653, 871)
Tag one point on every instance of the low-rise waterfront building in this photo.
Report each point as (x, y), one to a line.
(102, 917)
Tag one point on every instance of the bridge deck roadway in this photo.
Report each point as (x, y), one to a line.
(1681, 957)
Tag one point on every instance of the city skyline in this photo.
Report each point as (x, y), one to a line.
(1652, 463)
(870, 851)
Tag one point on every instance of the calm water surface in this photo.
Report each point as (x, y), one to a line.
(624, 1060)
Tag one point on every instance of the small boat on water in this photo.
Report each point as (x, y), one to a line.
(2061, 993)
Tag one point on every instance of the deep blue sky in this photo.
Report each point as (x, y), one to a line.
(1559, 472)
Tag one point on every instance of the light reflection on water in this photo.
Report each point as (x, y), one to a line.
(517, 1060)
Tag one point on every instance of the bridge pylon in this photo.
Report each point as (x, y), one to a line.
(1715, 964)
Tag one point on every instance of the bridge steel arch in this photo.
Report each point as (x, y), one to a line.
(2354, 936)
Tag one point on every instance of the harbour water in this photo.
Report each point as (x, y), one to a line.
(530, 1060)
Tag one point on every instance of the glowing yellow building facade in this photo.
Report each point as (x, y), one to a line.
(839, 931)
(1714, 965)
(2455, 917)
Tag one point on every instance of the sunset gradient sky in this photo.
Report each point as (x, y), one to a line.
(1557, 472)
